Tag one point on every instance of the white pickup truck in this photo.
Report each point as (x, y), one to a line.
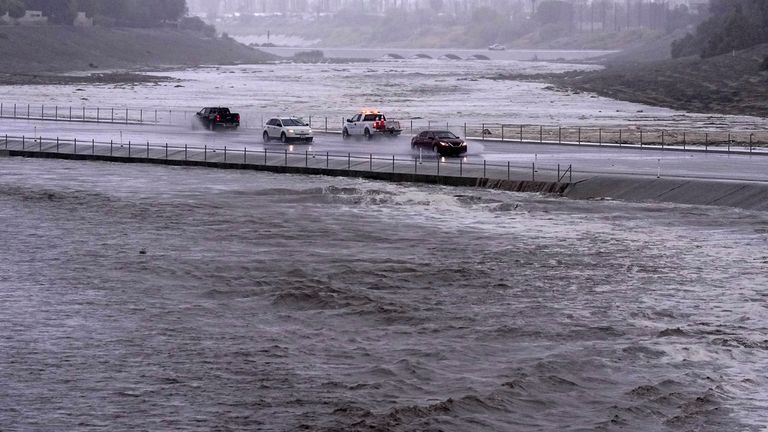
(369, 124)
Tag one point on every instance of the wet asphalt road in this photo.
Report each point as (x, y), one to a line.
(584, 159)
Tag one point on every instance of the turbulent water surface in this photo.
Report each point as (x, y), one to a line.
(154, 298)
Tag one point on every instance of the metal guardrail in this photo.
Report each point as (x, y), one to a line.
(289, 157)
(652, 137)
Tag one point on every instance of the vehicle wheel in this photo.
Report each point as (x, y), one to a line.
(368, 134)
(266, 137)
(345, 133)
(283, 138)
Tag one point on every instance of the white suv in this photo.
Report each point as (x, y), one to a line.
(287, 129)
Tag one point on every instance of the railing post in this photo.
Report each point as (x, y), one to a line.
(600, 136)
(306, 158)
(28, 112)
(508, 171)
(70, 113)
(57, 143)
(166, 151)
(619, 137)
(541, 134)
(349, 161)
(75, 145)
(14, 110)
(415, 166)
(286, 157)
(482, 131)
(641, 138)
(465, 130)
(129, 148)
(484, 168)
(327, 160)
(461, 167)
(112, 119)
(42, 112)
(521, 133)
(98, 114)
(185, 152)
(502, 132)
(579, 141)
(147, 149)
(93, 146)
(141, 116)
(83, 113)
(559, 135)
(533, 171)
(326, 124)
(23, 143)
(558, 173)
(126, 116)
(56, 112)
(225, 153)
(41, 143)
(205, 153)
(370, 161)
(245, 155)
(265, 156)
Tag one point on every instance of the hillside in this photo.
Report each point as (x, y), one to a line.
(57, 49)
(734, 83)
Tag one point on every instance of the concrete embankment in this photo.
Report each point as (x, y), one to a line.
(745, 195)
(394, 176)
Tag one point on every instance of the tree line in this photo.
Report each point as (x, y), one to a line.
(733, 25)
(138, 13)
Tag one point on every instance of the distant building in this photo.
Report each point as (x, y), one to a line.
(33, 17)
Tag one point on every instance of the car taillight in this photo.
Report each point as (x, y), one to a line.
(237, 118)
(218, 118)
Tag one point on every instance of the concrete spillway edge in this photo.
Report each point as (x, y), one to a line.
(744, 195)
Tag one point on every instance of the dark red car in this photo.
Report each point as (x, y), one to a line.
(441, 142)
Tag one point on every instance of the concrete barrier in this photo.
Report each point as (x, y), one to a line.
(745, 195)
(404, 177)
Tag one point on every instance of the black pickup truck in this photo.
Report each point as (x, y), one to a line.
(214, 118)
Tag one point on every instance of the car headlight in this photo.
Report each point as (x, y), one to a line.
(290, 130)
(444, 143)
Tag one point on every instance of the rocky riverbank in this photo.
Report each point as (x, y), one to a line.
(735, 83)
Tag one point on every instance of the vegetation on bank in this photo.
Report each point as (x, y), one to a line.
(135, 13)
(733, 25)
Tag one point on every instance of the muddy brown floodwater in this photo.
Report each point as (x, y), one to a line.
(155, 298)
